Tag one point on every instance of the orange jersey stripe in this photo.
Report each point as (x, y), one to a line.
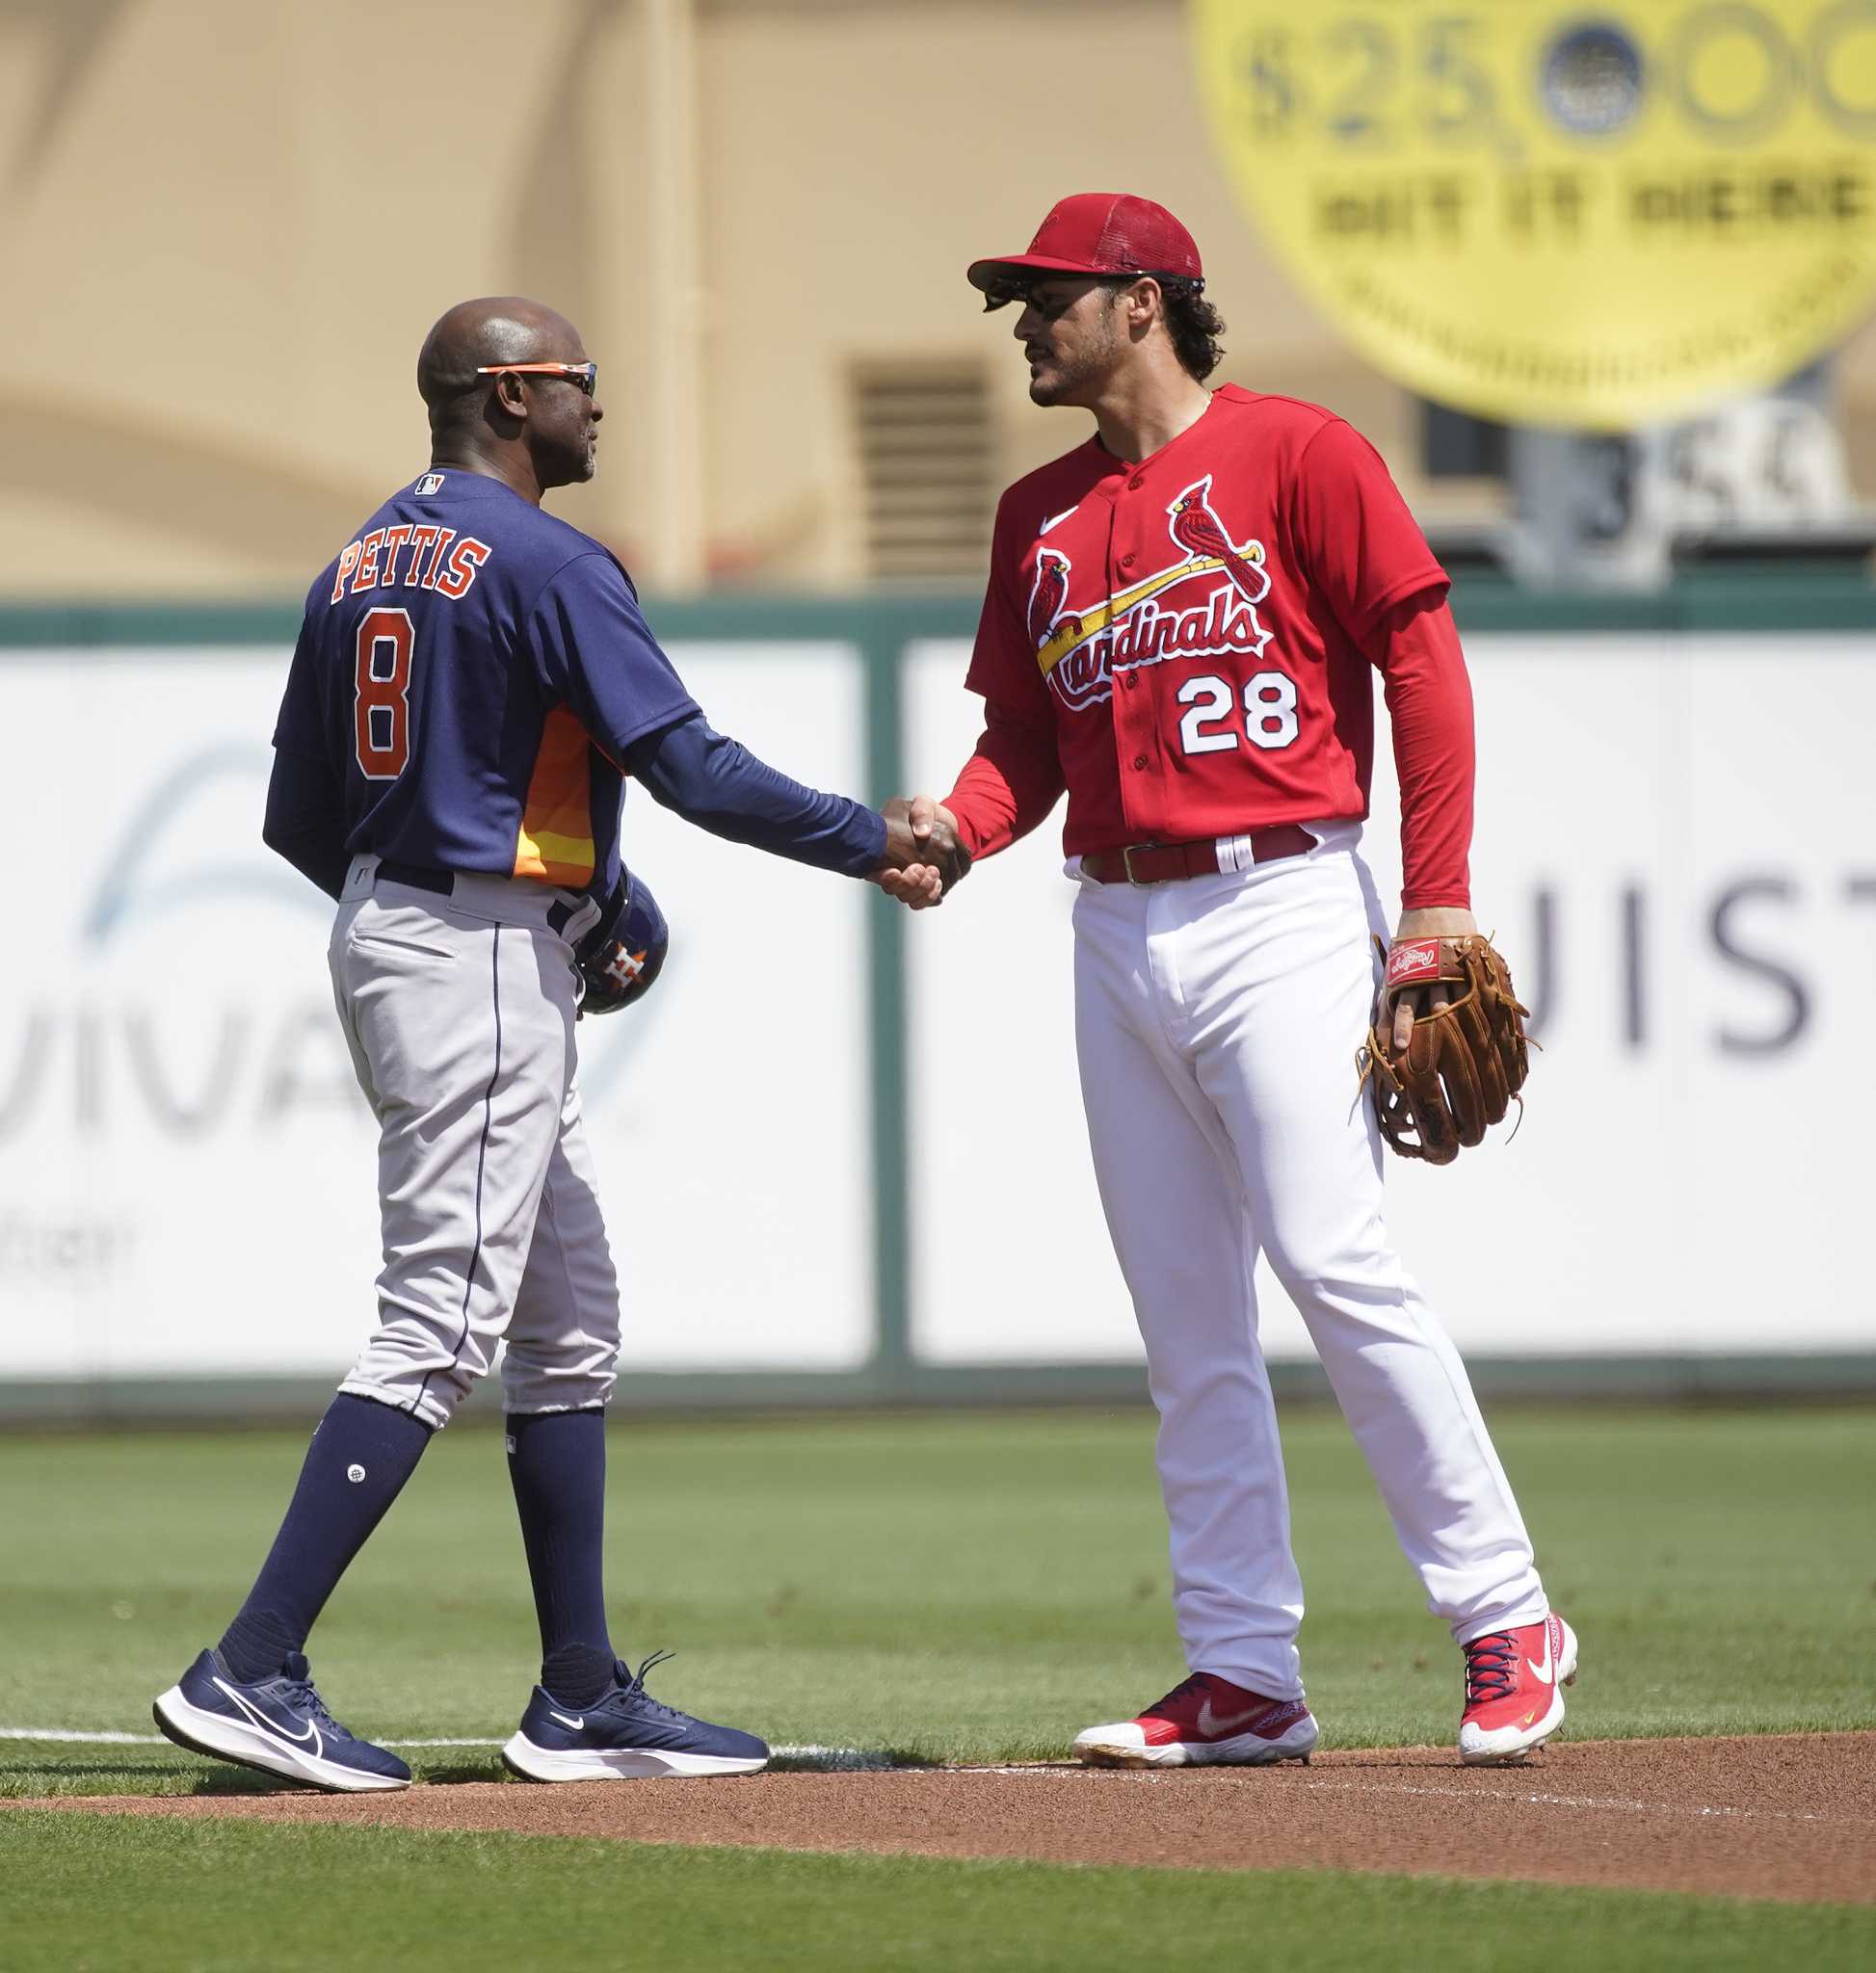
(555, 842)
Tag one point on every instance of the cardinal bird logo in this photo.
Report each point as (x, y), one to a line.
(1048, 593)
(1196, 528)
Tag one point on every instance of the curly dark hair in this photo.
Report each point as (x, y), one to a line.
(1191, 321)
(1194, 327)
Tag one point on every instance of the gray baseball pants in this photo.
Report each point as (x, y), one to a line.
(459, 1012)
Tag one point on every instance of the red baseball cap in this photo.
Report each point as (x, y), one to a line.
(1100, 233)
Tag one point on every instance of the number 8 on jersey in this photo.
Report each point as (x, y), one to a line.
(382, 697)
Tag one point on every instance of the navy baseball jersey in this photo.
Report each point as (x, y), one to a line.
(470, 672)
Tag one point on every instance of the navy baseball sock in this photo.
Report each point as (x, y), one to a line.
(557, 1464)
(362, 1454)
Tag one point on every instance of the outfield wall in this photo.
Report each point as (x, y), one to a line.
(1674, 846)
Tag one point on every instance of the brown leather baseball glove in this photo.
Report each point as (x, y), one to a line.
(1464, 1062)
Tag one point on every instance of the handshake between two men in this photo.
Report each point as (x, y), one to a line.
(924, 855)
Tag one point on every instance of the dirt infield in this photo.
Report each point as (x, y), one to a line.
(1787, 1817)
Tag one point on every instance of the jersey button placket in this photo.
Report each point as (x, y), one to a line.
(1127, 731)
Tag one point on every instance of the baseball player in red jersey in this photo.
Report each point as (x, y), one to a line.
(1181, 618)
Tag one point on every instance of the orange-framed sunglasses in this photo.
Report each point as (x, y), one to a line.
(585, 375)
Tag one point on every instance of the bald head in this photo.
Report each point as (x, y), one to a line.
(495, 329)
(532, 429)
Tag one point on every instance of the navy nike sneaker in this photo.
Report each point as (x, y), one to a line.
(625, 1736)
(277, 1724)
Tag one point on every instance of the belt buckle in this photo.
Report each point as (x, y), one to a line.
(1126, 864)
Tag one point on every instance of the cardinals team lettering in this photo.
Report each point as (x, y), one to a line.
(1079, 652)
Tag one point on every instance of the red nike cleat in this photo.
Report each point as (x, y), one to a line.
(1206, 1722)
(1514, 1690)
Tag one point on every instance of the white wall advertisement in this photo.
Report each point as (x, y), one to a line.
(187, 1174)
(1676, 847)
(1677, 850)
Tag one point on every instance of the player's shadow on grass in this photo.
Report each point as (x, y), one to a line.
(463, 1771)
(245, 1781)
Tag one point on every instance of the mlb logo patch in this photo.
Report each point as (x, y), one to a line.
(429, 484)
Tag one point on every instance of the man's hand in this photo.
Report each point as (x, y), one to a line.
(937, 859)
(1439, 921)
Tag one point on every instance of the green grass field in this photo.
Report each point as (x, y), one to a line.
(965, 1586)
(92, 1895)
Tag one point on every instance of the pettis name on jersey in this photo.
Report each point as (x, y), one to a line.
(432, 558)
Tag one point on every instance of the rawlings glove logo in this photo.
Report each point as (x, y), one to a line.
(1416, 962)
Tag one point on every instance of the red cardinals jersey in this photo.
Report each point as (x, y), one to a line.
(1194, 637)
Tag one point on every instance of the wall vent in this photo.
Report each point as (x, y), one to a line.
(928, 467)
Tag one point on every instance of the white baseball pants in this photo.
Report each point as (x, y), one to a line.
(458, 1012)
(1217, 1020)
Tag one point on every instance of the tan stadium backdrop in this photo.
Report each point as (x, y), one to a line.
(1677, 844)
(225, 229)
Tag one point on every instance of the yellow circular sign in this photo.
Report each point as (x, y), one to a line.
(1582, 216)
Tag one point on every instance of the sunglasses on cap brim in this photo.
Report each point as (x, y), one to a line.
(999, 294)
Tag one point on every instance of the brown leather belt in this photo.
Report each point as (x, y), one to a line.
(1168, 862)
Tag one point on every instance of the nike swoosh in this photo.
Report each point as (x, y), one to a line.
(309, 1738)
(1209, 1722)
(1544, 1674)
(1053, 518)
(576, 1725)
